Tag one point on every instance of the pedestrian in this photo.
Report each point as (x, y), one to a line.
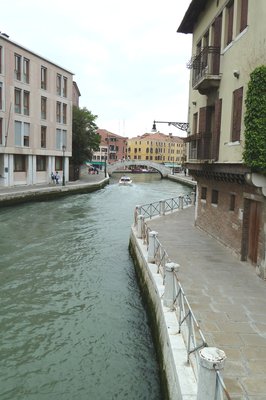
(53, 177)
(57, 177)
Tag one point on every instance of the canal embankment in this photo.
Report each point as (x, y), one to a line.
(21, 194)
(226, 296)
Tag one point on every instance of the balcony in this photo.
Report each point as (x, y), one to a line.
(206, 69)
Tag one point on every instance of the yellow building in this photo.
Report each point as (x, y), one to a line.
(157, 147)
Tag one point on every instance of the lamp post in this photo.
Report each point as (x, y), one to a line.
(183, 126)
(63, 178)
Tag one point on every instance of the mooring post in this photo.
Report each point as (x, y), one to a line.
(169, 291)
(211, 360)
(152, 246)
(140, 226)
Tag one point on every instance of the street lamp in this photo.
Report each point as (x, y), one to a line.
(183, 126)
(63, 178)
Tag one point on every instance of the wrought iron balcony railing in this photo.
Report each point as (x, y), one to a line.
(206, 68)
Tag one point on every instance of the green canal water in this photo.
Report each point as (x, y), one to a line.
(72, 321)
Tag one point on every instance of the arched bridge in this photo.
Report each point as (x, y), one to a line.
(162, 169)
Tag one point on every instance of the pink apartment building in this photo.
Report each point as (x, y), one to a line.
(35, 116)
(112, 148)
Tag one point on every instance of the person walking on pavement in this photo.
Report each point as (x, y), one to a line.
(57, 177)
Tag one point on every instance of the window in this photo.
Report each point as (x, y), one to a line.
(58, 163)
(17, 67)
(43, 107)
(230, 20)
(19, 163)
(237, 114)
(61, 138)
(43, 137)
(18, 101)
(244, 15)
(203, 193)
(41, 163)
(1, 95)
(215, 196)
(232, 202)
(22, 134)
(64, 86)
(26, 70)
(26, 103)
(1, 130)
(58, 84)
(44, 78)
(1, 58)
(18, 130)
(26, 135)
(58, 111)
(64, 113)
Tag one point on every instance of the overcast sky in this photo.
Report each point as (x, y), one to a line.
(128, 60)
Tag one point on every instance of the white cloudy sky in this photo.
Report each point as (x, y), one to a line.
(128, 60)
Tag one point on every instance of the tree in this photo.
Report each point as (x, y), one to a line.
(85, 140)
(255, 121)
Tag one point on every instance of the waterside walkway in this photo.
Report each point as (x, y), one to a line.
(19, 194)
(227, 298)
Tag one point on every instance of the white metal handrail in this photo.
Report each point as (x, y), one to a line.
(163, 206)
(188, 325)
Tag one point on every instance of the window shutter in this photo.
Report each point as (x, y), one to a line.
(217, 129)
(230, 10)
(202, 120)
(237, 113)
(244, 15)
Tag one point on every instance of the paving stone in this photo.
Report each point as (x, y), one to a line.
(227, 297)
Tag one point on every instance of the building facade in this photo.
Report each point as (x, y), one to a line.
(35, 116)
(112, 148)
(157, 147)
(228, 44)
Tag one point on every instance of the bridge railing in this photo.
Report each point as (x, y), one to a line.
(188, 325)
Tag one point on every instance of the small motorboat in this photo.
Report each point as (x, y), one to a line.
(125, 180)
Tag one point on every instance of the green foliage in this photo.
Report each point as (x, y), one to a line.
(84, 137)
(255, 121)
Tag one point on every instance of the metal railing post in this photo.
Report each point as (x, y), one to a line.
(162, 207)
(140, 226)
(211, 361)
(181, 202)
(152, 247)
(170, 291)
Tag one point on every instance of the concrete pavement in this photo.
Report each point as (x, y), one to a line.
(227, 298)
(23, 193)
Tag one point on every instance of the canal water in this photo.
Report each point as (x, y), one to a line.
(72, 322)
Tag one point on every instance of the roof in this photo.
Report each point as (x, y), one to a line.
(5, 37)
(157, 136)
(192, 14)
(105, 133)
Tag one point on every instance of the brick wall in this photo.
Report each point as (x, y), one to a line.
(217, 219)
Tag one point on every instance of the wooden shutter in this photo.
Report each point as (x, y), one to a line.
(202, 120)
(244, 15)
(237, 113)
(217, 27)
(230, 15)
(217, 129)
